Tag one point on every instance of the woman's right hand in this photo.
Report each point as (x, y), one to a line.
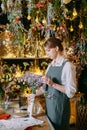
(47, 80)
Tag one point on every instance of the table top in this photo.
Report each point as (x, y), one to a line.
(45, 125)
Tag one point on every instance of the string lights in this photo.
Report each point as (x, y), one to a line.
(74, 12)
(80, 25)
(71, 28)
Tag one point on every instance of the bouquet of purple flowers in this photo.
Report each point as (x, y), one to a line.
(34, 81)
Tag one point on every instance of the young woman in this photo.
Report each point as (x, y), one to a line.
(60, 80)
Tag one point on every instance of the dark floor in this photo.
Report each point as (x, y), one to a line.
(72, 127)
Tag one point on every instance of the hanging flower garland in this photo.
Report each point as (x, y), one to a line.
(77, 53)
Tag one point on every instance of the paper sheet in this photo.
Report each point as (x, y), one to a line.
(19, 123)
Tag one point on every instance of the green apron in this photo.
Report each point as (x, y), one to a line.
(57, 103)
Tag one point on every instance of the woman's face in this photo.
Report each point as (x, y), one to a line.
(51, 52)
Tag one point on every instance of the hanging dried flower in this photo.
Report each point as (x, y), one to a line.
(40, 5)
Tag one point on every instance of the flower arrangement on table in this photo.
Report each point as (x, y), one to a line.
(14, 81)
(23, 86)
(34, 82)
(23, 89)
(6, 76)
(7, 72)
(18, 86)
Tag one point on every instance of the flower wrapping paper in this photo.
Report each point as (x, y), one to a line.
(19, 123)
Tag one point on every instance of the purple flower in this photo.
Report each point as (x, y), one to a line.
(34, 81)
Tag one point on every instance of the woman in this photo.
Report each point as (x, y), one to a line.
(60, 83)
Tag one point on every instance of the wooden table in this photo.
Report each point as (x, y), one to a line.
(45, 126)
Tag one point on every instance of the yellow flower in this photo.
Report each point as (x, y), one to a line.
(27, 91)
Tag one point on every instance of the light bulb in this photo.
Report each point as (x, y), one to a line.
(28, 17)
(37, 20)
(80, 25)
(74, 12)
(71, 28)
(44, 21)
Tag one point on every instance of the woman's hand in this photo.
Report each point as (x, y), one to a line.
(47, 80)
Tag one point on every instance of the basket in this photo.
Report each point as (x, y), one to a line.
(81, 116)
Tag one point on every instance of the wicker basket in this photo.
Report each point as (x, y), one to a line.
(81, 116)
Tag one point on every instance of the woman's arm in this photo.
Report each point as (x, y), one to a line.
(68, 81)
